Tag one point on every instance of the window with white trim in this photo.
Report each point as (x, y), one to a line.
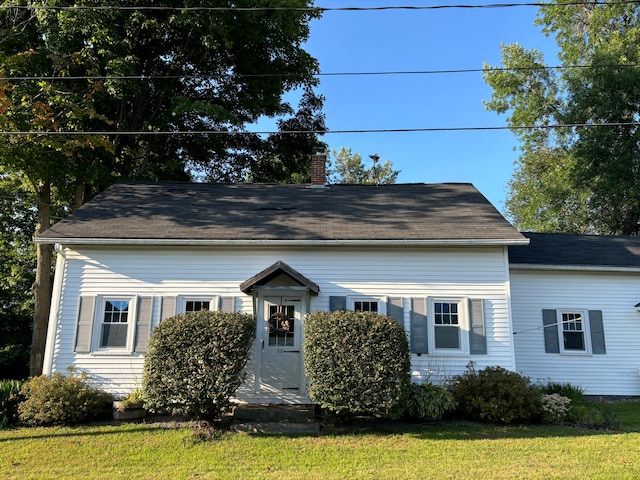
(448, 325)
(116, 322)
(573, 331)
(368, 304)
(190, 304)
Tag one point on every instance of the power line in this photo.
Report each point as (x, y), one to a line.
(321, 74)
(315, 9)
(327, 132)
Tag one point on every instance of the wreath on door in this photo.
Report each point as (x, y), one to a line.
(279, 322)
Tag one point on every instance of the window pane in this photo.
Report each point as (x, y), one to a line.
(196, 306)
(447, 337)
(114, 335)
(573, 340)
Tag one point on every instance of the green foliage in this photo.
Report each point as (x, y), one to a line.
(578, 408)
(555, 407)
(581, 179)
(134, 400)
(429, 402)
(349, 168)
(194, 362)
(17, 264)
(357, 362)
(62, 400)
(9, 400)
(496, 395)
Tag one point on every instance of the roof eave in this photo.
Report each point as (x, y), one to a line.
(569, 268)
(271, 242)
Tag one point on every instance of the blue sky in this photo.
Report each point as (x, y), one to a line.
(410, 40)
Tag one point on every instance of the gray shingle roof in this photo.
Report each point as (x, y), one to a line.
(577, 250)
(181, 212)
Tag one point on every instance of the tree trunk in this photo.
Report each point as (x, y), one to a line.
(42, 287)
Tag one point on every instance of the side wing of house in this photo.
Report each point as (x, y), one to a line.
(452, 301)
(578, 326)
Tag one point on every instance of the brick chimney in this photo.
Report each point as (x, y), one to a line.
(318, 169)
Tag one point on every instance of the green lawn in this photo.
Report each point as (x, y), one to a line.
(448, 450)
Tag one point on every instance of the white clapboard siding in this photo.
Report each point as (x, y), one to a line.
(452, 272)
(615, 373)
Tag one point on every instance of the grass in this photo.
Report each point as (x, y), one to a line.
(448, 450)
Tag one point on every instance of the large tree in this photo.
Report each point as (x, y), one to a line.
(583, 178)
(202, 76)
(348, 167)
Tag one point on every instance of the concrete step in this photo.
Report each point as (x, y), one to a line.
(274, 413)
(276, 428)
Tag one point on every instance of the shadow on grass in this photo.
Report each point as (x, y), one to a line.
(91, 430)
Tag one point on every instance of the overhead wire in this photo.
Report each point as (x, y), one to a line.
(320, 74)
(318, 9)
(325, 132)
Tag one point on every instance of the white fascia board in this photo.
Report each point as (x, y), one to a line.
(572, 268)
(358, 243)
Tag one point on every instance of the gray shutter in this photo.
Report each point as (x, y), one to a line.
(550, 322)
(337, 303)
(227, 304)
(143, 324)
(395, 310)
(86, 311)
(597, 332)
(419, 327)
(477, 332)
(168, 308)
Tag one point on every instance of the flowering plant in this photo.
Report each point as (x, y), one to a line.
(555, 408)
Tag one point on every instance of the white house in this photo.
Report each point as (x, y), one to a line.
(434, 257)
(575, 311)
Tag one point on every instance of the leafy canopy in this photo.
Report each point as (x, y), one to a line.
(578, 179)
(349, 168)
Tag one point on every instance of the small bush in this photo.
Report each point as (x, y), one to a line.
(194, 362)
(429, 402)
(497, 395)
(62, 400)
(555, 407)
(357, 362)
(9, 400)
(578, 411)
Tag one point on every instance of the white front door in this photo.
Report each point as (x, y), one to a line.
(281, 345)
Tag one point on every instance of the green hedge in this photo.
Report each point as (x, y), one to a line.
(194, 362)
(497, 395)
(357, 362)
(62, 400)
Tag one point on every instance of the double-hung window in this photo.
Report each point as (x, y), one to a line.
(115, 323)
(449, 326)
(115, 320)
(573, 331)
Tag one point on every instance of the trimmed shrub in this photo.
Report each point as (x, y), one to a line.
(357, 362)
(497, 395)
(62, 400)
(9, 400)
(194, 362)
(429, 402)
